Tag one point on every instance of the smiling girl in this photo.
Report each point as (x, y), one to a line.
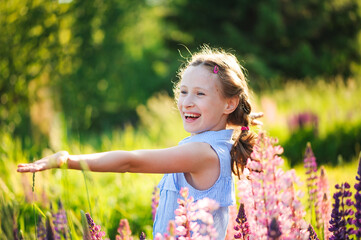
(213, 101)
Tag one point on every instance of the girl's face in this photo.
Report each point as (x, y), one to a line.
(201, 103)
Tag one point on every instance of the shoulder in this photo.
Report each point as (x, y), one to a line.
(197, 151)
(196, 156)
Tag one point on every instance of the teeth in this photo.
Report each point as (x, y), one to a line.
(191, 115)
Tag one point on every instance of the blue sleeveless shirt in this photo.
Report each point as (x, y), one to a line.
(222, 191)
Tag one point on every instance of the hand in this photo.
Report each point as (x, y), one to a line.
(53, 161)
(254, 116)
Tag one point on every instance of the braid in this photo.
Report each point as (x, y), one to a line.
(241, 151)
(243, 146)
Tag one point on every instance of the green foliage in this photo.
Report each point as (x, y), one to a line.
(284, 39)
(93, 61)
(29, 48)
(117, 64)
(336, 106)
(343, 142)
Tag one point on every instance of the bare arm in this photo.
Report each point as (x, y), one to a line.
(192, 158)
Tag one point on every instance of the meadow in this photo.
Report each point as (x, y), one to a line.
(110, 197)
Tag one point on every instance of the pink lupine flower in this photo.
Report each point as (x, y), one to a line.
(158, 236)
(323, 204)
(155, 201)
(311, 171)
(193, 219)
(269, 193)
(233, 212)
(124, 231)
(181, 218)
(182, 231)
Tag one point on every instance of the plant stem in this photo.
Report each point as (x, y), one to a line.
(87, 193)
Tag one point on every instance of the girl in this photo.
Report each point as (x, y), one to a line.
(212, 97)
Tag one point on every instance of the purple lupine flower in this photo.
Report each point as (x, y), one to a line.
(274, 231)
(313, 235)
(155, 201)
(94, 230)
(341, 215)
(242, 227)
(142, 236)
(40, 229)
(50, 232)
(60, 223)
(124, 230)
(311, 172)
(357, 195)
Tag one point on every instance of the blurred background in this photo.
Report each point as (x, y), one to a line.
(88, 76)
(78, 68)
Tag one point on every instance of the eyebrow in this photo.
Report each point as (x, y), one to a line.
(196, 88)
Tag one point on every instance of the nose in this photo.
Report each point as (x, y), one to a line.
(188, 101)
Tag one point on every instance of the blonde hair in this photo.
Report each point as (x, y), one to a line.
(233, 81)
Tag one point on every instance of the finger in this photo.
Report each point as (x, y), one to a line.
(23, 169)
(31, 167)
(257, 122)
(22, 165)
(256, 115)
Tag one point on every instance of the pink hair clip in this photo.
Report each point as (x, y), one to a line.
(244, 128)
(216, 69)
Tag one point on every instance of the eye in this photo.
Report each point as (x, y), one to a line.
(200, 93)
(183, 92)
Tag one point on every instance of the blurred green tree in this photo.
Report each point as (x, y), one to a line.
(28, 66)
(93, 61)
(119, 62)
(278, 39)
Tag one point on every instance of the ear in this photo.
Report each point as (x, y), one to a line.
(231, 105)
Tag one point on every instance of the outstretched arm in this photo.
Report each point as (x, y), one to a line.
(192, 158)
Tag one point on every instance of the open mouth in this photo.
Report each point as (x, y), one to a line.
(191, 116)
